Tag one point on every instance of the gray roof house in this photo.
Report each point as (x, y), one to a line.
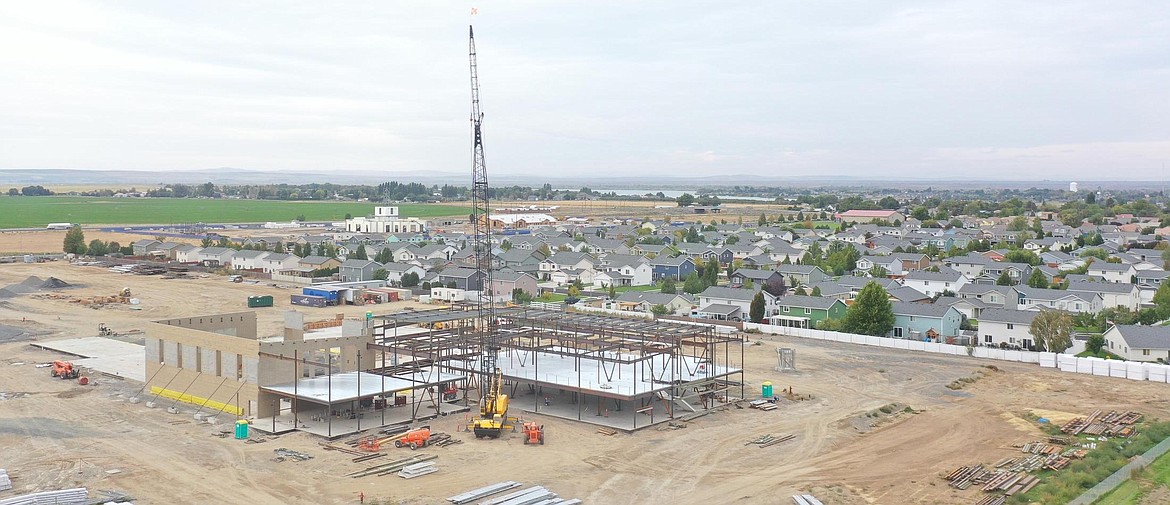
(1139, 343)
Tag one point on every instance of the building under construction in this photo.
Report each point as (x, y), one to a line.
(616, 372)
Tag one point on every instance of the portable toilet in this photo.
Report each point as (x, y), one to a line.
(766, 390)
(241, 429)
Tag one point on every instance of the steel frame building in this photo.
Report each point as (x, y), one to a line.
(624, 373)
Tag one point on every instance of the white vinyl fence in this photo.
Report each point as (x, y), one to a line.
(1132, 370)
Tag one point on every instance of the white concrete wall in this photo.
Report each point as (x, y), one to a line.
(1131, 370)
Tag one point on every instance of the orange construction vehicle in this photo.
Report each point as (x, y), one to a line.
(65, 370)
(414, 438)
(533, 434)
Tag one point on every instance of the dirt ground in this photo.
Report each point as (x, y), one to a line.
(57, 434)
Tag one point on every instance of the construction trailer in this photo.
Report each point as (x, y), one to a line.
(616, 372)
(315, 377)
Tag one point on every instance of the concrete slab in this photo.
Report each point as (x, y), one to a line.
(344, 387)
(114, 357)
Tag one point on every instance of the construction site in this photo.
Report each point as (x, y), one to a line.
(619, 373)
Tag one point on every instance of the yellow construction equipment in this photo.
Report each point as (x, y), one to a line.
(493, 409)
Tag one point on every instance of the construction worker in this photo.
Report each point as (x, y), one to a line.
(361, 497)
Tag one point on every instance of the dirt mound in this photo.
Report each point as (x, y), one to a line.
(4, 293)
(20, 289)
(33, 281)
(54, 283)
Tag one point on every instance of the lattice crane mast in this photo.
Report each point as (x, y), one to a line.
(493, 404)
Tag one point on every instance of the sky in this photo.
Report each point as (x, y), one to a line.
(983, 89)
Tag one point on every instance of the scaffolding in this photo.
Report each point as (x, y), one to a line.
(619, 372)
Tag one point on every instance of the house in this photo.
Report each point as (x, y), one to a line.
(568, 260)
(1006, 328)
(869, 216)
(1112, 294)
(970, 307)
(920, 321)
(628, 271)
(907, 294)
(801, 274)
(677, 268)
(436, 252)
(464, 278)
(757, 278)
(562, 276)
(644, 301)
(1112, 272)
(717, 302)
(935, 283)
(1139, 343)
(1151, 278)
(1068, 301)
(354, 270)
(971, 265)
(522, 259)
(276, 262)
(508, 281)
(247, 259)
(215, 256)
(142, 247)
(395, 271)
(1003, 297)
(805, 311)
(188, 254)
(319, 263)
(891, 264)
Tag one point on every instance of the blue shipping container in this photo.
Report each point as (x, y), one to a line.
(328, 294)
(309, 301)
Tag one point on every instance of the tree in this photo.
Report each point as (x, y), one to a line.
(1052, 330)
(816, 291)
(97, 248)
(668, 286)
(574, 291)
(878, 272)
(763, 220)
(775, 285)
(693, 284)
(279, 247)
(1021, 256)
(360, 253)
(206, 242)
(1162, 299)
(1037, 279)
(756, 311)
(521, 296)
(800, 291)
(381, 274)
(409, 280)
(1003, 279)
(871, 312)
(612, 292)
(660, 310)
(13, 192)
(75, 241)
(711, 272)
(1094, 344)
(685, 200)
(452, 285)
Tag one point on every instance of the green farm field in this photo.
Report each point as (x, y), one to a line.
(37, 211)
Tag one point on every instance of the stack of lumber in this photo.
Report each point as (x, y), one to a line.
(607, 431)
(769, 440)
(805, 499)
(764, 405)
(966, 476)
(389, 468)
(483, 492)
(417, 470)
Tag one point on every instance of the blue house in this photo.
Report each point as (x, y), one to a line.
(677, 268)
(921, 321)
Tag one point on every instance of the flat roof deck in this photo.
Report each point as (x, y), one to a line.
(114, 357)
(350, 386)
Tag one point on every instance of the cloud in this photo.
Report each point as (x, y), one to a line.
(964, 88)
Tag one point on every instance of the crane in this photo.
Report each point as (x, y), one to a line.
(493, 405)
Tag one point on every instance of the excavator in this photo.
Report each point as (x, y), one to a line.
(493, 410)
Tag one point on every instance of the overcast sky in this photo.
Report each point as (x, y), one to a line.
(982, 89)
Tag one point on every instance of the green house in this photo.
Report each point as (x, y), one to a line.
(805, 311)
